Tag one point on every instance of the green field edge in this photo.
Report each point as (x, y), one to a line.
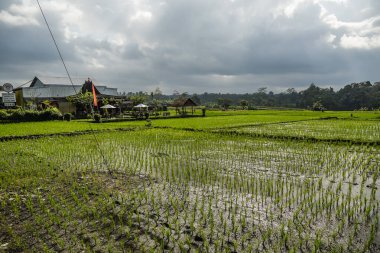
(300, 138)
(67, 134)
(277, 137)
(272, 123)
(222, 131)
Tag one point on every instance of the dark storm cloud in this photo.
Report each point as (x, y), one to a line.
(195, 46)
(22, 45)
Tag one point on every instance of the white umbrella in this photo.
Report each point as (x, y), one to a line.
(107, 107)
(141, 106)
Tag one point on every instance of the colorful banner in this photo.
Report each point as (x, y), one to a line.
(94, 94)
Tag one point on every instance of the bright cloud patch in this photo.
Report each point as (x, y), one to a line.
(20, 14)
(358, 42)
(142, 16)
(16, 20)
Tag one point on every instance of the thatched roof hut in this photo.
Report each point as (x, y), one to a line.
(182, 103)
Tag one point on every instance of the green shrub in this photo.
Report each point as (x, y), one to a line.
(51, 113)
(67, 116)
(3, 115)
(31, 115)
(20, 115)
(97, 117)
(17, 115)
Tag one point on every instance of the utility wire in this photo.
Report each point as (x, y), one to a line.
(56, 45)
(105, 162)
(24, 84)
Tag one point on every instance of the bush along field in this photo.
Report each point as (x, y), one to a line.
(172, 190)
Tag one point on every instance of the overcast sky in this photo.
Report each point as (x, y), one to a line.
(234, 46)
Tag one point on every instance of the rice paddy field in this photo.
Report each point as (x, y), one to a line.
(264, 181)
(339, 130)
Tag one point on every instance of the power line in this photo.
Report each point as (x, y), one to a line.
(68, 74)
(24, 84)
(56, 46)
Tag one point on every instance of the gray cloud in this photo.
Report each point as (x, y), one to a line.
(194, 46)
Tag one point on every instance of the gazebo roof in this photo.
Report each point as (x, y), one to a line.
(183, 102)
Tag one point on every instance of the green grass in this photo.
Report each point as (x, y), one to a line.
(167, 189)
(227, 121)
(214, 120)
(356, 130)
(53, 127)
(340, 114)
(163, 188)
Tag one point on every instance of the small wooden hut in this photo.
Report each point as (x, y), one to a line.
(181, 105)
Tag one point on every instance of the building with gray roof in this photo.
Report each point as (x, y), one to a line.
(56, 90)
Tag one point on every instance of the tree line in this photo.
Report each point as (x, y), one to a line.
(354, 96)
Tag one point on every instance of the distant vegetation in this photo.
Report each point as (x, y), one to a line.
(355, 96)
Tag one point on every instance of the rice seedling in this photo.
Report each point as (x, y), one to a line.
(174, 190)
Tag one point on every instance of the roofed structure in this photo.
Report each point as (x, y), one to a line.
(58, 89)
(43, 80)
(183, 103)
(61, 87)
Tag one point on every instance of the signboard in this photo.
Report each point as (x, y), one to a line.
(9, 98)
(9, 104)
(7, 87)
